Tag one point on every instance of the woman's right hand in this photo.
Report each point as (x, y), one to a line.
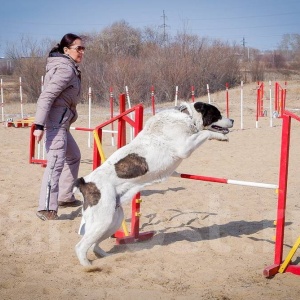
(38, 134)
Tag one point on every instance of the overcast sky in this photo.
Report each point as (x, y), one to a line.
(260, 22)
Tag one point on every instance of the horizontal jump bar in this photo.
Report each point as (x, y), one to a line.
(226, 181)
(92, 129)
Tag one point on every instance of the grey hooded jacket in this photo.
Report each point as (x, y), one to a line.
(56, 106)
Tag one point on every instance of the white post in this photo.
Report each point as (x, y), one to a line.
(21, 99)
(129, 106)
(127, 96)
(242, 100)
(43, 144)
(42, 83)
(90, 110)
(176, 95)
(39, 144)
(271, 113)
(208, 94)
(2, 102)
(111, 97)
(39, 150)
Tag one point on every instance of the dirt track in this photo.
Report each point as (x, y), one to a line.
(212, 240)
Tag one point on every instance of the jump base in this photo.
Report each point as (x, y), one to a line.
(132, 239)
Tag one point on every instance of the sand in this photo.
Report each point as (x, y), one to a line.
(212, 241)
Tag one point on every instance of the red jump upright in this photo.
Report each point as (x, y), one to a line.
(280, 98)
(281, 205)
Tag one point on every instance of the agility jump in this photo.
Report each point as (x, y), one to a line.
(279, 265)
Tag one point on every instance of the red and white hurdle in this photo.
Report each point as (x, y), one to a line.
(278, 266)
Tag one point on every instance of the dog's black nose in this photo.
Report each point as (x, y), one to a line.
(232, 121)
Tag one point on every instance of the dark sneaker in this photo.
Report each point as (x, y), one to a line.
(47, 215)
(75, 203)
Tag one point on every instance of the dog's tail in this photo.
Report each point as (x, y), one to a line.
(79, 182)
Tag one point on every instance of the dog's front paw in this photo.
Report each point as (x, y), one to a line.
(218, 136)
(224, 138)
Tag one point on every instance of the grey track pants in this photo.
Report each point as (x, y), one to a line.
(63, 155)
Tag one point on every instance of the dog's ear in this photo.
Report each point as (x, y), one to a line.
(200, 107)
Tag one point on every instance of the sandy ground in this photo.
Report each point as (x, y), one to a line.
(212, 240)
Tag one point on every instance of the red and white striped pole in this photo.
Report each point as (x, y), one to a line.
(226, 181)
(284, 96)
(152, 100)
(257, 104)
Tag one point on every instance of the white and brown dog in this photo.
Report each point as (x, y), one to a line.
(156, 152)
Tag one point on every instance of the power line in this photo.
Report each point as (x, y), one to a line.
(246, 17)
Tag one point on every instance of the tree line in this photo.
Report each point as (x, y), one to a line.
(121, 55)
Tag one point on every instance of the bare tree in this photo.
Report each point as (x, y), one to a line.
(29, 63)
(121, 55)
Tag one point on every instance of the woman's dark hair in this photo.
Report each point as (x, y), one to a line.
(67, 40)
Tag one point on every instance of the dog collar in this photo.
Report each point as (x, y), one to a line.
(184, 109)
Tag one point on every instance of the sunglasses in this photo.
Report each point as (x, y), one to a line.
(78, 48)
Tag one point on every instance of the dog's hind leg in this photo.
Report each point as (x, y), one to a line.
(102, 220)
(93, 235)
(116, 224)
(98, 251)
(82, 248)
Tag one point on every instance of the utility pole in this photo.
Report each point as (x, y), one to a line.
(164, 25)
(244, 46)
(244, 42)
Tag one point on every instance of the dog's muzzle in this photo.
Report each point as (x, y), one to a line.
(222, 129)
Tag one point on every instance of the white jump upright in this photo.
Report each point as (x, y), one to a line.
(42, 83)
(111, 102)
(129, 106)
(21, 98)
(2, 100)
(176, 95)
(208, 94)
(242, 103)
(90, 113)
(271, 113)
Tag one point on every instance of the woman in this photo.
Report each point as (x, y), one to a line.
(56, 111)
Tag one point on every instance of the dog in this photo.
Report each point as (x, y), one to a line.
(152, 156)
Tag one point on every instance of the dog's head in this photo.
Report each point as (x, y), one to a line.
(208, 117)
